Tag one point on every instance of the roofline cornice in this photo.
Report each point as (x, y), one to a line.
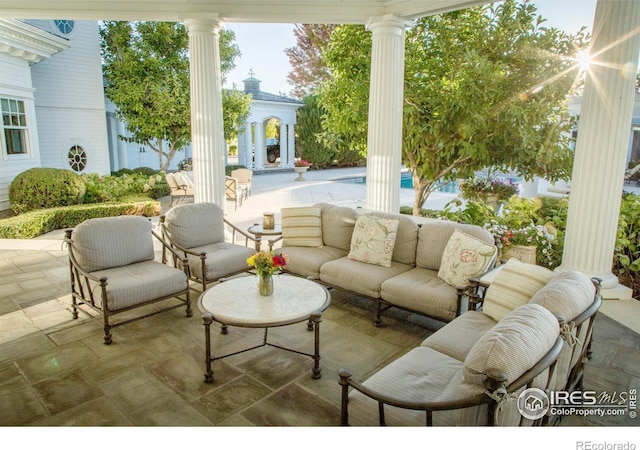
(30, 43)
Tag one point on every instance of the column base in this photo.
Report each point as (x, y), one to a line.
(618, 292)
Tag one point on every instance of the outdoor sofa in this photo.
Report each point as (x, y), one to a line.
(532, 329)
(420, 265)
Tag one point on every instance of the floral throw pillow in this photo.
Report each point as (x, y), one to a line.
(465, 257)
(373, 240)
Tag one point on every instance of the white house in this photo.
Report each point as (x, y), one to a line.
(52, 99)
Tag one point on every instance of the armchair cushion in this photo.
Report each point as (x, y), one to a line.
(138, 283)
(514, 285)
(301, 227)
(373, 240)
(465, 256)
(223, 258)
(103, 243)
(195, 224)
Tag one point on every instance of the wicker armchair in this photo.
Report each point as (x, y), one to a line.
(197, 232)
(113, 269)
(244, 177)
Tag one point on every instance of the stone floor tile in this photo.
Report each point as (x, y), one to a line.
(62, 394)
(99, 412)
(293, 406)
(230, 398)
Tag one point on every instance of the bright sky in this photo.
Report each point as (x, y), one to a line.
(262, 45)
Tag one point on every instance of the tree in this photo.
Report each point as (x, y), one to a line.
(484, 87)
(308, 70)
(146, 67)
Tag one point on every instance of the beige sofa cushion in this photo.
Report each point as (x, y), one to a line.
(515, 285)
(513, 345)
(373, 240)
(458, 337)
(306, 261)
(103, 243)
(434, 235)
(422, 374)
(337, 225)
(404, 250)
(359, 277)
(567, 295)
(421, 290)
(465, 256)
(301, 226)
(195, 224)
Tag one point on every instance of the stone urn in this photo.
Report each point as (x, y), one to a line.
(300, 171)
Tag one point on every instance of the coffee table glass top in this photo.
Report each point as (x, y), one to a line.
(238, 302)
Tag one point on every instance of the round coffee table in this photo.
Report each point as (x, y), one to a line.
(237, 302)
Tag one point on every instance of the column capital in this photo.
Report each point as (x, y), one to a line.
(206, 24)
(388, 23)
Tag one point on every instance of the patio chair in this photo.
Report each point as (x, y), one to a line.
(633, 174)
(197, 231)
(181, 186)
(244, 179)
(113, 270)
(234, 191)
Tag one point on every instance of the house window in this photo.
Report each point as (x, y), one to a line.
(14, 126)
(77, 158)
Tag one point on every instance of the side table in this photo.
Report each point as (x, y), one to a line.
(258, 231)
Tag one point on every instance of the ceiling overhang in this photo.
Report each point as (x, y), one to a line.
(238, 11)
(29, 43)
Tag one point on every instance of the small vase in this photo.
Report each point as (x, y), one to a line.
(265, 285)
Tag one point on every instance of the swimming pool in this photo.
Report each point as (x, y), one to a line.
(406, 182)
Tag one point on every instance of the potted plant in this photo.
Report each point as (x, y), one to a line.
(490, 190)
(300, 166)
(531, 244)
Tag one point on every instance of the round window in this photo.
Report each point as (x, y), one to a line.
(77, 158)
(65, 26)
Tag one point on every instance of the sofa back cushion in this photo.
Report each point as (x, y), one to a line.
(103, 243)
(567, 295)
(301, 226)
(434, 236)
(513, 346)
(514, 285)
(404, 250)
(337, 225)
(195, 224)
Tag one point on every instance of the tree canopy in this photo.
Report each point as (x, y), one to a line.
(146, 67)
(484, 87)
(308, 70)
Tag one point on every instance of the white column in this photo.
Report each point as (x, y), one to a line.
(248, 142)
(284, 144)
(384, 139)
(242, 156)
(529, 189)
(601, 146)
(292, 145)
(260, 150)
(207, 132)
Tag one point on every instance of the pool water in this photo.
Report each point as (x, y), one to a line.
(407, 183)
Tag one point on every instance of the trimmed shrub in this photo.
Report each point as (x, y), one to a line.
(35, 223)
(148, 171)
(39, 188)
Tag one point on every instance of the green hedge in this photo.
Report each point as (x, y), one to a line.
(36, 223)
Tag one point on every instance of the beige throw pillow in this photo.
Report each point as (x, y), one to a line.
(464, 257)
(301, 227)
(373, 240)
(514, 285)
